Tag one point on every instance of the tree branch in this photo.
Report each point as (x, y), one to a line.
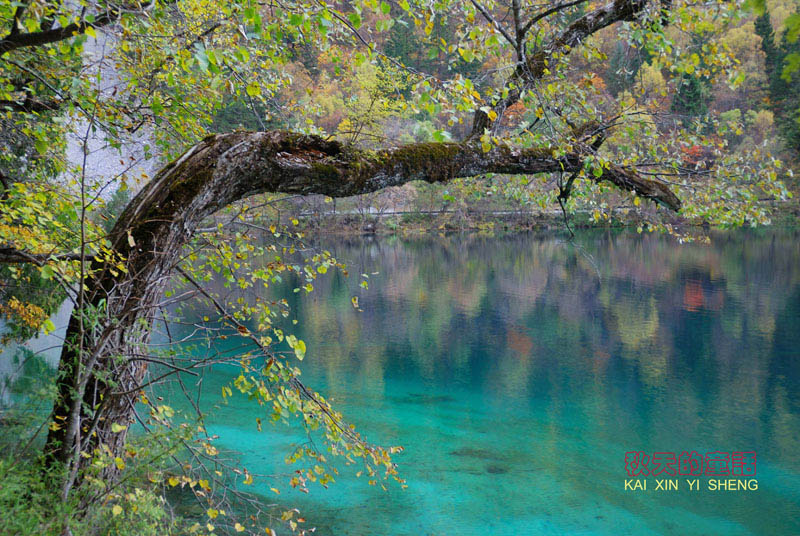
(48, 34)
(488, 16)
(546, 13)
(519, 32)
(17, 20)
(227, 167)
(23, 40)
(10, 255)
(31, 104)
(534, 66)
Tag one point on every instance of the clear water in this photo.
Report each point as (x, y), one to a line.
(517, 371)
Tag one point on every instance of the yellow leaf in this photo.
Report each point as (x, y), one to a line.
(90, 31)
(253, 89)
(492, 115)
(117, 428)
(212, 513)
(173, 481)
(238, 527)
(116, 510)
(300, 350)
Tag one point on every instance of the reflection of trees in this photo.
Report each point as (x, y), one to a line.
(626, 326)
(535, 316)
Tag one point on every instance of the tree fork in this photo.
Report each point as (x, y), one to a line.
(534, 65)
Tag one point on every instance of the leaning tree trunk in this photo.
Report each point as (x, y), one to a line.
(99, 375)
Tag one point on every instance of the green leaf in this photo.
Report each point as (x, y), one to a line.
(355, 20)
(156, 106)
(253, 89)
(41, 146)
(385, 8)
(32, 25)
(47, 272)
(202, 59)
(466, 54)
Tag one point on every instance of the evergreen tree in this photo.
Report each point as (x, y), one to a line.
(784, 94)
(692, 97)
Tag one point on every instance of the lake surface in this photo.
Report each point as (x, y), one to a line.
(517, 371)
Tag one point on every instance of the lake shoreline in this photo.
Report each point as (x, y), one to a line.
(401, 223)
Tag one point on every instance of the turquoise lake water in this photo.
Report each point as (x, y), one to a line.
(517, 371)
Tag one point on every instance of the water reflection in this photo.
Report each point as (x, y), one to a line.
(23, 366)
(518, 370)
(697, 319)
